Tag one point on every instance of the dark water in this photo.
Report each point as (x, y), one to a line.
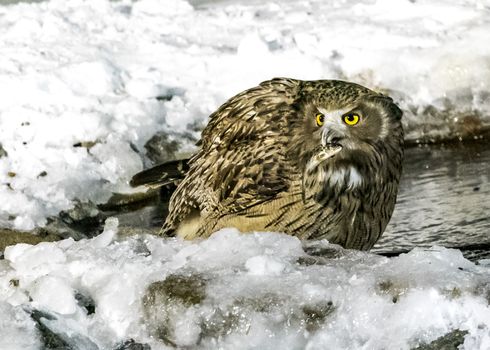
(444, 199)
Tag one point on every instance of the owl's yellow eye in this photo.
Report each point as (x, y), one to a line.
(351, 119)
(320, 119)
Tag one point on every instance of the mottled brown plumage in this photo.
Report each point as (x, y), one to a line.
(282, 157)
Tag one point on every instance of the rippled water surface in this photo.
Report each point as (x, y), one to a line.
(444, 198)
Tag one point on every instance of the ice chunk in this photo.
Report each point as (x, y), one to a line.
(106, 237)
(17, 330)
(264, 265)
(41, 293)
(30, 261)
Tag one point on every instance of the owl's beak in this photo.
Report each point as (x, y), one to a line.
(321, 154)
(326, 152)
(331, 138)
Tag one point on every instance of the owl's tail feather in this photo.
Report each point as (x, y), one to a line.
(162, 174)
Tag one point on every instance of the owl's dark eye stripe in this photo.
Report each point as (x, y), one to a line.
(320, 119)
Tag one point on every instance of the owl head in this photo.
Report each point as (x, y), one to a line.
(352, 137)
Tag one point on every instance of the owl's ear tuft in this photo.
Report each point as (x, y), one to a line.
(392, 110)
(395, 111)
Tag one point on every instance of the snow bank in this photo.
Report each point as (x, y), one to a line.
(236, 291)
(83, 84)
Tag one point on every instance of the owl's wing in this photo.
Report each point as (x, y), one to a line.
(242, 160)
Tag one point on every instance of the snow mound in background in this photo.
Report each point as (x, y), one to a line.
(239, 291)
(83, 84)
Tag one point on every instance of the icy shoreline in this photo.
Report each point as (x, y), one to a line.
(239, 291)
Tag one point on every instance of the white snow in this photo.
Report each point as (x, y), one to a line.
(110, 230)
(108, 75)
(264, 265)
(74, 71)
(260, 288)
(41, 293)
(17, 329)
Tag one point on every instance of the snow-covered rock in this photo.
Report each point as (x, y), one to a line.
(242, 291)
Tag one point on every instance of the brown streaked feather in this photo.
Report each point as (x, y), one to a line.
(242, 159)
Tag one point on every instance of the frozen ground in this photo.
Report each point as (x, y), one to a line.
(85, 84)
(232, 291)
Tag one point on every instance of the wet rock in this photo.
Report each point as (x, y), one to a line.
(237, 317)
(50, 339)
(11, 237)
(310, 260)
(316, 315)
(323, 249)
(169, 92)
(86, 144)
(450, 341)
(179, 313)
(483, 290)
(167, 303)
(160, 148)
(264, 303)
(14, 282)
(85, 220)
(453, 293)
(140, 210)
(187, 290)
(469, 125)
(223, 322)
(83, 215)
(56, 334)
(86, 302)
(132, 345)
(393, 289)
(139, 247)
(3, 153)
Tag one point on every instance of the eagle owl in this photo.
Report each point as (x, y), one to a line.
(313, 159)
